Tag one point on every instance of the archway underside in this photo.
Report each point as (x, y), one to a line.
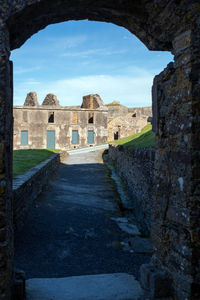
(155, 23)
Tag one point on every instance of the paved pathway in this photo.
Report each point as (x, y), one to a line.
(118, 286)
(71, 230)
(88, 149)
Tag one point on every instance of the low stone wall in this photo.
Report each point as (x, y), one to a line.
(136, 170)
(28, 186)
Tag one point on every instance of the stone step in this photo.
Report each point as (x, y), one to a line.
(117, 286)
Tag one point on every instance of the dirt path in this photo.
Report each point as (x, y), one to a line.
(70, 230)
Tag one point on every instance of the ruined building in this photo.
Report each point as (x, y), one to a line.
(63, 127)
(54, 126)
(124, 121)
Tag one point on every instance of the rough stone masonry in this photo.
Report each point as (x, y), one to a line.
(168, 25)
(138, 179)
(68, 126)
(92, 123)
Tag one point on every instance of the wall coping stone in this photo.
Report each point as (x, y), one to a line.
(23, 178)
(141, 152)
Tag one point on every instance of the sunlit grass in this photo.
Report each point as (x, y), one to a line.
(23, 160)
(143, 139)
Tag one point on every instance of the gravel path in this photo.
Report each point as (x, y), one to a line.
(71, 230)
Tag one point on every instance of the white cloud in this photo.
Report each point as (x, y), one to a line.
(87, 53)
(67, 42)
(130, 90)
(50, 45)
(31, 82)
(21, 70)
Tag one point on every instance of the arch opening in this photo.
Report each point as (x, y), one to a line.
(128, 15)
(75, 139)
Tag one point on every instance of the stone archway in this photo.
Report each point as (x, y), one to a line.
(160, 25)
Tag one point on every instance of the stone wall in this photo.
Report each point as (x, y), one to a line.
(141, 111)
(92, 102)
(107, 122)
(28, 186)
(6, 134)
(35, 121)
(115, 111)
(123, 121)
(136, 169)
(175, 211)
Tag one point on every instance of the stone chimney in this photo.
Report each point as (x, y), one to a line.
(31, 99)
(51, 100)
(92, 102)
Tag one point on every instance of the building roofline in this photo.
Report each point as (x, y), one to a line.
(100, 109)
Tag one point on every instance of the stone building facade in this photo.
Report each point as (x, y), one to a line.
(53, 126)
(124, 121)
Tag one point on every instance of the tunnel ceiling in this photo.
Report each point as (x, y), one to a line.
(155, 23)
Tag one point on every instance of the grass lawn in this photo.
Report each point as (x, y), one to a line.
(113, 104)
(26, 159)
(143, 139)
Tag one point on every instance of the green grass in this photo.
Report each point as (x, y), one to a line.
(143, 139)
(113, 104)
(23, 160)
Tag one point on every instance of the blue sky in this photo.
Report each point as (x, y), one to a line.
(77, 58)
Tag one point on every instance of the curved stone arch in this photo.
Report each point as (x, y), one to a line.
(148, 20)
(171, 25)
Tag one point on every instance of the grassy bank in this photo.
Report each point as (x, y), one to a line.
(143, 139)
(23, 160)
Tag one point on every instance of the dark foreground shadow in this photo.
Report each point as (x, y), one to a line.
(69, 230)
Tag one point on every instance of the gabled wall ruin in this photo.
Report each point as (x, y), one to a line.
(61, 121)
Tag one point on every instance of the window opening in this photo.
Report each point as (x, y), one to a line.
(51, 139)
(116, 135)
(91, 118)
(25, 116)
(75, 118)
(24, 137)
(75, 137)
(51, 117)
(90, 136)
